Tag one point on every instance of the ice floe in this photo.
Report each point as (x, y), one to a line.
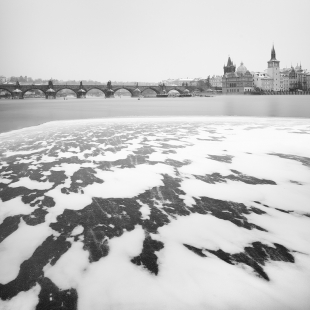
(171, 213)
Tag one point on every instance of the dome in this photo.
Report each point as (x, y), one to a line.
(298, 68)
(242, 68)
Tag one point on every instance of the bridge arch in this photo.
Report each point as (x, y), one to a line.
(5, 89)
(34, 88)
(174, 92)
(115, 89)
(94, 92)
(91, 88)
(151, 88)
(65, 88)
(182, 91)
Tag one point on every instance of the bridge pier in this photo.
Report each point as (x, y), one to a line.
(50, 96)
(17, 97)
(81, 94)
(109, 93)
(50, 93)
(17, 93)
(136, 93)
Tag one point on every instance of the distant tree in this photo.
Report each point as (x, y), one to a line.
(13, 79)
(26, 79)
(22, 79)
(208, 82)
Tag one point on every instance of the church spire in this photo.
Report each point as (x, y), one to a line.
(273, 52)
(230, 67)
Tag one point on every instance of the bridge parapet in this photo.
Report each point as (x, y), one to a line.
(133, 89)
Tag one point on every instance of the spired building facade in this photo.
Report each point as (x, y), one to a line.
(297, 78)
(236, 82)
(274, 70)
(273, 79)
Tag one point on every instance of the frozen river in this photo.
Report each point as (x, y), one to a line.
(155, 203)
(17, 114)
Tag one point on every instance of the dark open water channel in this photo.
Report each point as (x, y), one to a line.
(17, 114)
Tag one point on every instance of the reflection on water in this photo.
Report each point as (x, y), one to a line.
(16, 114)
(265, 106)
(273, 108)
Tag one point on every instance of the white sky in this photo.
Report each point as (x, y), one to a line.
(145, 40)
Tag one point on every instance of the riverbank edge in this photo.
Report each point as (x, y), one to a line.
(189, 118)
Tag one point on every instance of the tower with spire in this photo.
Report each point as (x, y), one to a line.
(230, 66)
(274, 70)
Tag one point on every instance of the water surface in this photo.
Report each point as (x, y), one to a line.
(17, 114)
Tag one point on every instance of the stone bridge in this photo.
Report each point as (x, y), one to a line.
(50, 90)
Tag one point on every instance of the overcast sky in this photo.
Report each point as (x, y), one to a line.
(145, 40)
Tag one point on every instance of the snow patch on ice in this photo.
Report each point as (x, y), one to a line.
(13, 207)
(5, 181)
(19, 246)
(72, 201)
(109, 156)
(31, 184)
(128, 182)
(145, 210)
(70, 268)
(77, 230)
(11, 153)
(23, 300)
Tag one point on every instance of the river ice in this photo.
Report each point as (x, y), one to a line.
(175, 213)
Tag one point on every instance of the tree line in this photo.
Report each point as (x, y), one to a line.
(27, 79)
